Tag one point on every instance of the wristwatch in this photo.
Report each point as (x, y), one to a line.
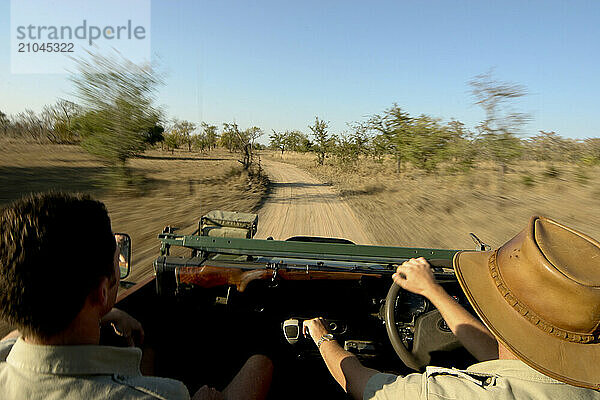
(325, 338)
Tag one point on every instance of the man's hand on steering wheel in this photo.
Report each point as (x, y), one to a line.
(416, 276)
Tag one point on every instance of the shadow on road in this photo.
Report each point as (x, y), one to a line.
(179, 158)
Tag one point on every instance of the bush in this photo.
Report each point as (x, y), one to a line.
(527, 180)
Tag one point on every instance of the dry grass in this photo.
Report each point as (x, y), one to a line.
(439, 210)
(164, 188)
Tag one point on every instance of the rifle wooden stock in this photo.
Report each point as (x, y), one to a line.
(208, 276)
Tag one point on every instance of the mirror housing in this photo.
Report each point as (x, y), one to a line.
(124, 243)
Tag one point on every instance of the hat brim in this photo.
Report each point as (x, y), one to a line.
(573, 363)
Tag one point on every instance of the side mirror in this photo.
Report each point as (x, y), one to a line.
(124, 243)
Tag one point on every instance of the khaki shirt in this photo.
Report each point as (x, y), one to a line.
(497, 379)
(30, 371)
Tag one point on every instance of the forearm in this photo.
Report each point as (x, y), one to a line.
(476, 338)
(345, 368)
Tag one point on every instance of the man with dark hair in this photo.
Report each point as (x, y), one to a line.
(59, 277)
(51, 260)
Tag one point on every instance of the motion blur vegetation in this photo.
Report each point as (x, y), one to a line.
(117, 101)
(116, 119)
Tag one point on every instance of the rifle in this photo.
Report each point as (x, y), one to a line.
(217, 261)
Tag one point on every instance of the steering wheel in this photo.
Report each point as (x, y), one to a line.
(430, 333)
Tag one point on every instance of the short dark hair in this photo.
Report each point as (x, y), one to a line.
(54, 250)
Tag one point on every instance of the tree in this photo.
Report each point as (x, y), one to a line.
(460, 148)
(184, 129)
(296, 140)
(394, 126)
(550, 146)
(241, 141)
(154, 135)
(229, 136)
(499, 130)
(429, 140)
(117, 99)
(346, 150)
(323, 142)
(211, 135)
(277, 141)
(5, 124)
(172, 141)
(60, 117)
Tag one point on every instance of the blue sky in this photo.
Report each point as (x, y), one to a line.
(277, 64)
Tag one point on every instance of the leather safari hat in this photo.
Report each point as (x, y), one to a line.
(539, 294)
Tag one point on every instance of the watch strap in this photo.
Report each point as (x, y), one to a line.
(324, 338)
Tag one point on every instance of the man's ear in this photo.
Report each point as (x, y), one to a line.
(99, 296)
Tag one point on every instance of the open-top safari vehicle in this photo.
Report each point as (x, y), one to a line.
(218, 296)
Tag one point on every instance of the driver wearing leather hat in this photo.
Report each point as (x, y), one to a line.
(539, 298)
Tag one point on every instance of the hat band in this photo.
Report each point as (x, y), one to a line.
(530, 315)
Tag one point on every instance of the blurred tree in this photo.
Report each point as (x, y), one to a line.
(591, 151)
(60, 116)
(117, 98)
(429, 142)
(4, 124)
(346, 149)
(394, 126)
(549, 146)
(460, 149)
(154, 134)
(378, 147)
(499, 130)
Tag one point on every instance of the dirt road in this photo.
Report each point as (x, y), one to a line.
(301, 205)
(297, 205)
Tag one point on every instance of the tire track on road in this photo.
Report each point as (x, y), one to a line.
(299, 204)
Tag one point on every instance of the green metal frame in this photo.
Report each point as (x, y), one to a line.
(307, 250)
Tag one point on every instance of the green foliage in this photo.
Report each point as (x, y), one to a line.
(154, 135)
(211, 135)
(60, 118)
(117, 100)
(591, 151)
(427, 141)
(289, 140)
(549, 146)
(297, 141)
(172, 141)
(324, 143)
(346, 150)
(277, 141)
(184, 130)
(393, 126)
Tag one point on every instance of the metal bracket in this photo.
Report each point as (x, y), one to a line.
(480, 246)
(275, 269)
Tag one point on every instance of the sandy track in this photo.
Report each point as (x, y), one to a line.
(298, 205)
(301, 205)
